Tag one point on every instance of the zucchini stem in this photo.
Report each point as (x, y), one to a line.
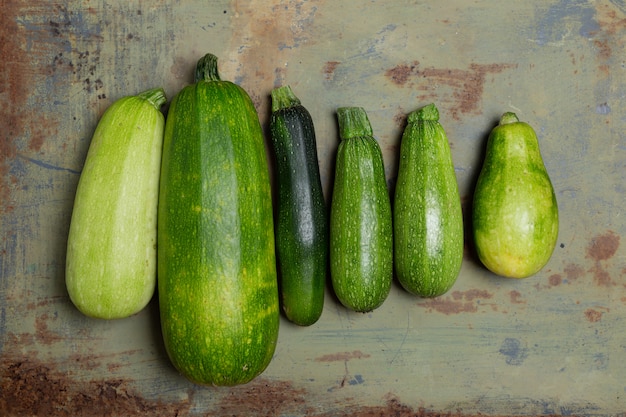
(508, 117)
(353, 123)
(428, 112)
(283, 97)
(206, 69)
(156, 97)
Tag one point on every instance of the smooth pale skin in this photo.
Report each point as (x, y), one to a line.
(515, 214)
(111, 250)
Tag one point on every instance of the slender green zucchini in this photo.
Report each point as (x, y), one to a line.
(111, 247)
(218, 290)
(428, 220)
(301, 220)
(361, 235)
(515, 216)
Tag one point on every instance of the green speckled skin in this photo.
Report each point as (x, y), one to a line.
(361, 235)
(111, 248)
(515, 213)
(217, 274)
(428, 220)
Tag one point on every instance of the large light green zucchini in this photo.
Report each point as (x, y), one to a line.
(218, 290)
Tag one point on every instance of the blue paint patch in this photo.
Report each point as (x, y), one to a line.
(48, 166)
(357, 380)
(551, 27)
(513, 350)
(389, 28)
(603, 108)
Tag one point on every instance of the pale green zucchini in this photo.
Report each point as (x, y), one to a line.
(111, 248)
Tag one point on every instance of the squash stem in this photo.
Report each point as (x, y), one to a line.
(155, 96)
(283, 97)
(206, 69)
(353, 123)
(428, 112)
(508, 117)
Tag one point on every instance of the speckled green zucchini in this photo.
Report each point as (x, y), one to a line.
(111, 247)
(218, 293)
(301, 215)
(361, 235)
(428, 220)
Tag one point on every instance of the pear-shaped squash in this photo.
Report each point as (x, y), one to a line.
(515, 215)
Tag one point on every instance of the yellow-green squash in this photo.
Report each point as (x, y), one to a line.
(515, 216)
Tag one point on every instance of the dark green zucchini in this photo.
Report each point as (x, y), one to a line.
(428, 220)
(217, 283)
(301, 216)
(361, 235)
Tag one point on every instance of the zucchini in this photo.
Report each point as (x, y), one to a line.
(301, 219)
(515, 216)
(428, 220)
(111, 246)
(361, 235)
(218, 290)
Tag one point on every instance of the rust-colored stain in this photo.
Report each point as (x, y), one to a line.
(16, 77)
(555, 280)
(467, 84)
(604, 49)
(342, 356)
(516, 297)
(329, 69)
(401, 73)
(400, 118)
(31, 387)
(277, 25)
(19, 79)
(592, 315)
(603, 247)
(458, 302)
(611, 25)
(611, 21)
(42, 333)
(573, 272)
(263, 397)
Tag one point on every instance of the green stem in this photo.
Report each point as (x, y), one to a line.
(206, 69)
(428, 112)
(283, 97)
(353, 123)
(507, 118)
(155, 96)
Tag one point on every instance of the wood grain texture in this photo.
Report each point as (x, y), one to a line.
(551, 344)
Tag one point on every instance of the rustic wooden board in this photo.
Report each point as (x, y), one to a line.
(551, 344)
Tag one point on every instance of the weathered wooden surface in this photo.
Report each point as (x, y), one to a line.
(551, 344)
